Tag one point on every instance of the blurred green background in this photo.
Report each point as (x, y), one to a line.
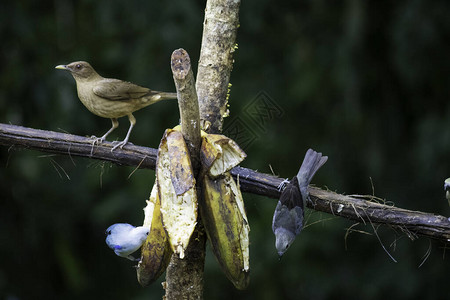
(365, 82)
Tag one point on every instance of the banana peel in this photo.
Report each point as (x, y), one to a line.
(226, 224)
(222, 207)
(156, 251)
(219, 154)
(176, 187)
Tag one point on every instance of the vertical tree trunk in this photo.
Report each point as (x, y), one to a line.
(216, 60)
(184, 278)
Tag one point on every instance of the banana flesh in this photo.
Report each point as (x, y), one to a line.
(176, 186)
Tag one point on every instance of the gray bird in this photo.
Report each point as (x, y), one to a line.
(447, 189)
(288, 216)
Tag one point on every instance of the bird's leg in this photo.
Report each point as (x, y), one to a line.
(282, 185)
(115, 124)
(132, 258)
(125, 141)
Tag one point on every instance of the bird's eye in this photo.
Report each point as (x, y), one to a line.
(287, 246)
(108, 232)
(78, 66)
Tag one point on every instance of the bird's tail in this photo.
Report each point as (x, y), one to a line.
(167, 96)
(155, 96)
(311, 163)
(162, 95)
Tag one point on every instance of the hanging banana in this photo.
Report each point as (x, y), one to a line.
(176, 186)
(174, 201)
(222, 208)
(156, 251)
(227, 227)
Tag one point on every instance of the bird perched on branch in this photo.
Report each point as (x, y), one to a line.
(125, 239)
(111, 98)
(289, 213)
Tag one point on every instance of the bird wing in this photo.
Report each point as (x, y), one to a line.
(289, 219)
(291, 196)
(115, 89)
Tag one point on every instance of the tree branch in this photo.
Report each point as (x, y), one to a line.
(73, 145)
(358, 208)
(187, 101)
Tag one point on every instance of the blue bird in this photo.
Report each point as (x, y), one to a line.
(125, 239)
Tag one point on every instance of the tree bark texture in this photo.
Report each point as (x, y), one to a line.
(187, 102)
(216, 61)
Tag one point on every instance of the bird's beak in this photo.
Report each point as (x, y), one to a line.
(280, 255)
(61, 67)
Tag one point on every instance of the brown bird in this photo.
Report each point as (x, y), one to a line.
(111, 98)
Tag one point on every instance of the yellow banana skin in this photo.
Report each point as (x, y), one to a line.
(227, 227)
(156, 251)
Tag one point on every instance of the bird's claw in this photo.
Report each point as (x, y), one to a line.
(97, 140)
(132, 258)
(282, 185)
(118, 145)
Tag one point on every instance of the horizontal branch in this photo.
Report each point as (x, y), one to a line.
(74, 145)
(358, 208)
